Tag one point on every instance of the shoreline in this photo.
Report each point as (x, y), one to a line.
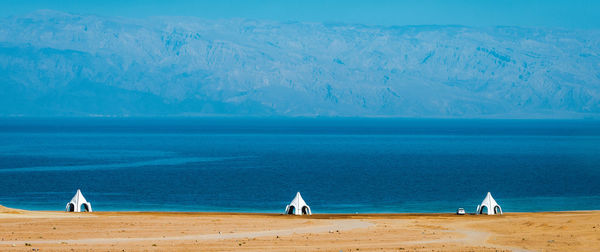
(314, 215)
(341, 214)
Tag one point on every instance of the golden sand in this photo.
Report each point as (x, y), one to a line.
(162, 231)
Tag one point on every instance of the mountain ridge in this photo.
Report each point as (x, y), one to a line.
(54, 63)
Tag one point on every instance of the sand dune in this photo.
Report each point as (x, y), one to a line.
(160, 231)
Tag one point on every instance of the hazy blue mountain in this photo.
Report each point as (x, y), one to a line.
(54, 63)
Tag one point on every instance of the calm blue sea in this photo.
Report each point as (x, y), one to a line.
(339, 165)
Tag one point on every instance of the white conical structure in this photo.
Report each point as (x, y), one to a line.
(76, 203)
(490, 204)
(298, 206)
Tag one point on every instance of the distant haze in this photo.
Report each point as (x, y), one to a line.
(59, 64)
(572, 14)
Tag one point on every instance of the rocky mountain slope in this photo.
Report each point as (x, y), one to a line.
(61, 64)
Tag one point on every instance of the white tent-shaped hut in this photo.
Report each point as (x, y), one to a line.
(298, 206)
(76, 203)
(490, 204)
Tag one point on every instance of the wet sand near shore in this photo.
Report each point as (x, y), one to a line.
(22, 230)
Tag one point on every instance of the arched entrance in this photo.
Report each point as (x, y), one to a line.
(481, 211)
(291, 210)
(305, 210)
(71, 207)
(84, 208)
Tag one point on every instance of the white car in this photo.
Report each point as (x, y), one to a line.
(460, 211)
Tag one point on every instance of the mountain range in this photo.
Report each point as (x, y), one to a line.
(61, 64)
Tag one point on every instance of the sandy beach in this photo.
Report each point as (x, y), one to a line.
(22, 230)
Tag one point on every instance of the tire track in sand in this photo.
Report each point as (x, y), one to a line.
(341, 225)
(471, 237)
